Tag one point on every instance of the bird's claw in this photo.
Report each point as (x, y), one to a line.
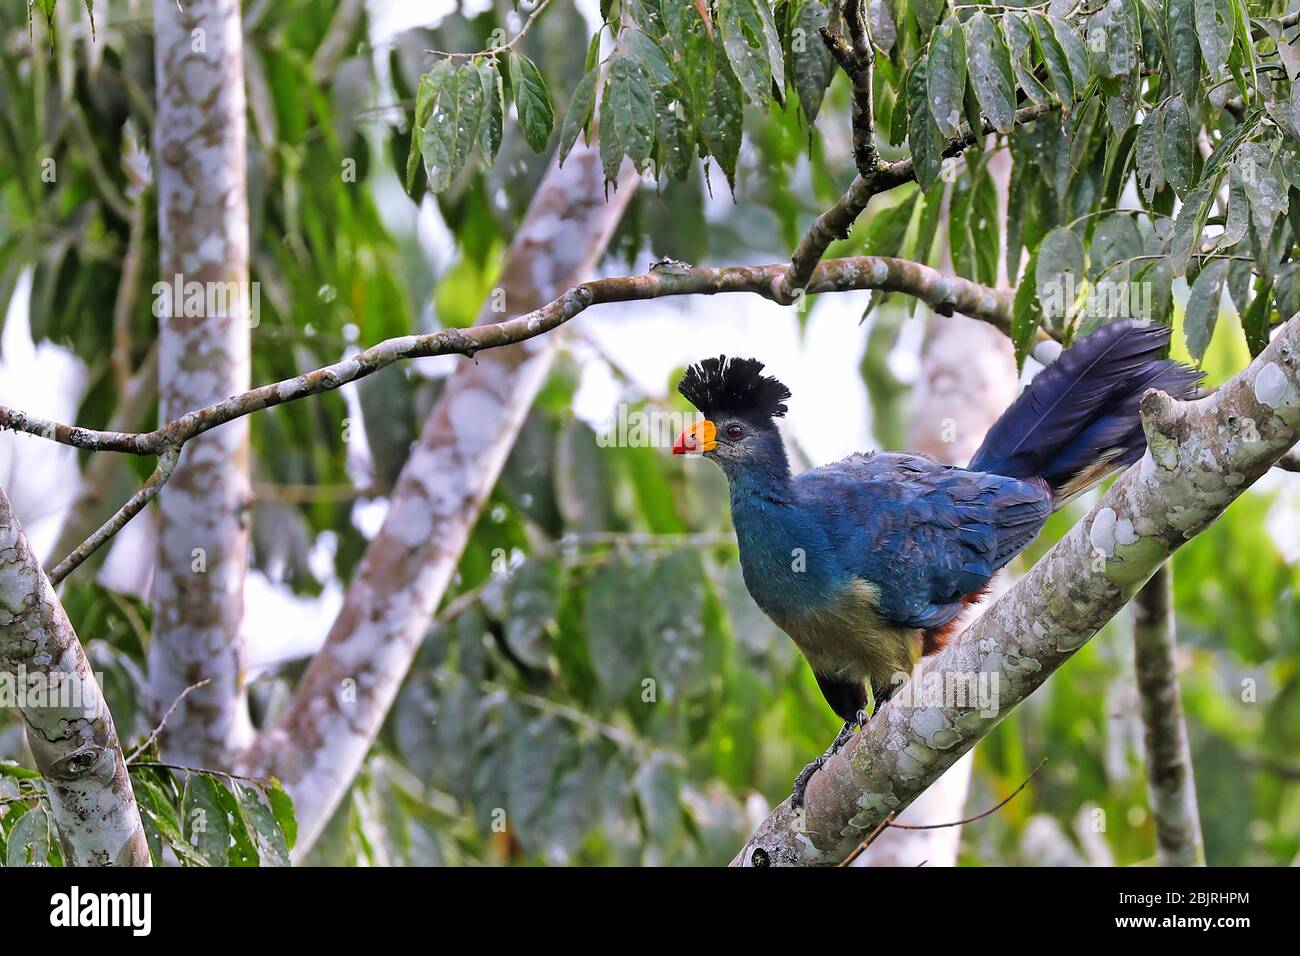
(806, 774)
(801, 781)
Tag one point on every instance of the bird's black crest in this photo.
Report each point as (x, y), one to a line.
(721, 386)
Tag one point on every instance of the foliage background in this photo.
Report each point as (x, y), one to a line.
(528, 696)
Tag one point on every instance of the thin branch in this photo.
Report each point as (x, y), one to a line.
(153, 734)
(947, 294)
(835, 222)
(889, 820)
(857, 59)
(134, 505)
(504, 47)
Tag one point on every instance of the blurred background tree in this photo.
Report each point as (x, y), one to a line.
(597, 686)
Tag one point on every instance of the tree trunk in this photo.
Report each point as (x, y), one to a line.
(1170, 785)
(320, 744)
(71, 733)
(198, 587)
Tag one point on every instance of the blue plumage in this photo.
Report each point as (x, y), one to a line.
(867, 563)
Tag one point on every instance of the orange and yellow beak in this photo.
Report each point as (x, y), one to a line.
(697, 439)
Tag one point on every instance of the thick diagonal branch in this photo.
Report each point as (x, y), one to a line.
(1170, 785)
(1201, 456)
(69, 728)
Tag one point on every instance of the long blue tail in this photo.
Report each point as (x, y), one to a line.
(1078, 420)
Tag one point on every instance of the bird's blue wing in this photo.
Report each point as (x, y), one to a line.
(928, 535)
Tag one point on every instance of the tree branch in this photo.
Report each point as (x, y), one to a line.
(1170, 784)
(69, 728)
(945, 294)
(1202, 455)
(835, 222)
(856, 58)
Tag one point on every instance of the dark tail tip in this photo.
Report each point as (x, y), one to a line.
(1079, 421)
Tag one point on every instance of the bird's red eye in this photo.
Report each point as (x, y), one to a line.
(735, 431)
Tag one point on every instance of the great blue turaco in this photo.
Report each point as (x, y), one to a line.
(868, 563)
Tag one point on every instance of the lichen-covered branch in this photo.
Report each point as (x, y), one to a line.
(134, 505)
(944, 293)
(1201, 456)
(69, 728)
(857, 59)
(1170, 784)
(203, 238)
(318, 746)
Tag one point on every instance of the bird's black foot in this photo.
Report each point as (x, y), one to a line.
(806, 774)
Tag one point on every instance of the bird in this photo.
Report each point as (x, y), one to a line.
(868, 563)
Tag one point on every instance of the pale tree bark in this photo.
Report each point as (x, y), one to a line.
(198, 587)
(1171, 786)
(69, 730)
(1201, 456)
(320, 744)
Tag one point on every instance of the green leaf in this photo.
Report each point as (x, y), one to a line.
(272, 846)
(533, 600)
(946, 75)
(1026, 313)
(1150, 167)
(927, 14)
(1186, 237)
(205, 824)
(1178, 148)
(1184, 47)
(1110, 41)
(424, 99)
(627, 120)
(721, 123)
(1067, 35)
(490, 127)
(766, 25)
(1054, 58)
(1020, 41)
(1266, 192)
(1059, 272)
(581, 108)
(1115, 239)
(282, 809)
(1255, 320)
(888, 227)
(811, 63)
(926, 142)
(1214, 30)
(469, 113)
(29, 842)
(745, 50)
(438, 134)
(532, 102)
(1203, 308)
(991, 73)
(15, 772)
